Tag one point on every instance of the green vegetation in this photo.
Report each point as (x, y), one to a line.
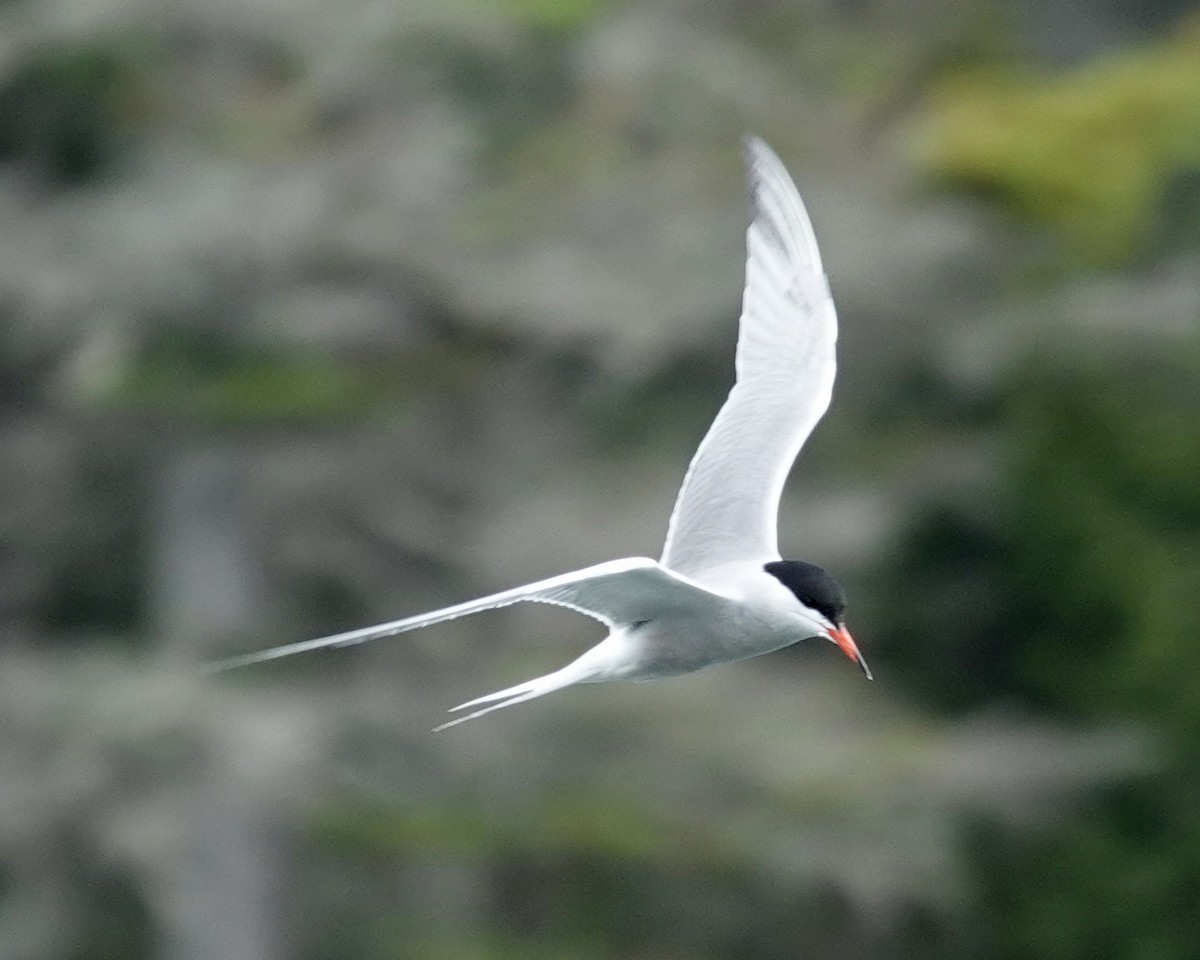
(588, 876)
(69, 111)
(581, 826)
(273, 115)
(211, 380)
(1106, 565)
(1078, 593)
(564, 16)
(512, 90)
(1093, 152)
(484, 947)
(1106, 499)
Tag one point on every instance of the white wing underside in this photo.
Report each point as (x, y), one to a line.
(727, 507)
(617, 593)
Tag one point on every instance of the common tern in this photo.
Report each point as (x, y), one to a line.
(721, 592)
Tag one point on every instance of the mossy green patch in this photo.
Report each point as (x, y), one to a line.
(1093, 151)
(560, 16)
(265, 125)
(493, 946)
(69, 109)
(1102, 568)
(226, 384)
(600, 827)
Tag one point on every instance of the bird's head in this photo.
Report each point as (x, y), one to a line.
(823, 600)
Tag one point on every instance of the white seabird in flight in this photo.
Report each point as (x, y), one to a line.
(720, 592)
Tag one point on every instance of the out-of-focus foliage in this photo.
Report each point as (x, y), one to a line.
(1106, 522)
(953, 628)
(210, 380)
(1106, 517)
(1080, 595)
(1095, 152)
(593, 877)
(554, 15)
(69, 111)
(600, 826)
(1119, 880)
(1073, 586)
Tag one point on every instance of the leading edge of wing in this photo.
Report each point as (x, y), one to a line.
(563, 590)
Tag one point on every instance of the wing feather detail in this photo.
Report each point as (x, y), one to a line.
(727, 507)
(616, 593)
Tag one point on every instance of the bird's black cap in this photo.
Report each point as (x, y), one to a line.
(812, 586)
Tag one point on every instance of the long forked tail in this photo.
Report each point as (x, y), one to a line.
(529, 690)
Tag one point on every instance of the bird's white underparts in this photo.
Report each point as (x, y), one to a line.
(720, 592)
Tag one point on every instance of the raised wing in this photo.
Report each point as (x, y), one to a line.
(615, 593)
(727, 507)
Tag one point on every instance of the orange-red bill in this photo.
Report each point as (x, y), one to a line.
(841, 636)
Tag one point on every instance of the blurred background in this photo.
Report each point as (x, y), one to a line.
(316, 314)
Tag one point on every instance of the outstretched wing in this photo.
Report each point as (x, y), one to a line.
(726, 509)
(615, 593)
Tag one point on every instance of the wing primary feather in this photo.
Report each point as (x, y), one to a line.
(614, 592)
(365, 634)
(774, 202)
(785, 365)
